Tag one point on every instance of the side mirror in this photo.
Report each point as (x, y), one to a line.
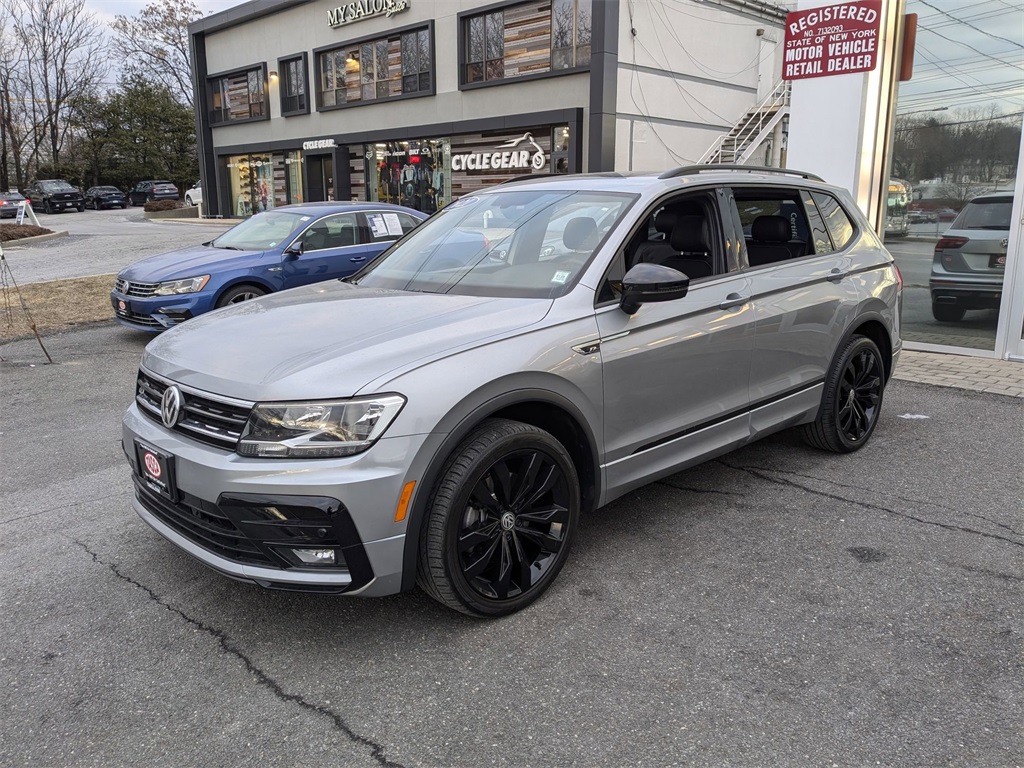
(651, 282)
(295, 249)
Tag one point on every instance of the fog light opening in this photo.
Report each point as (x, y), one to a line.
(316, 556)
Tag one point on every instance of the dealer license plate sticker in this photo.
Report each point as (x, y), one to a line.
(156, 469)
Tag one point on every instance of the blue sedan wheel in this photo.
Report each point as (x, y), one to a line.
(240, 293)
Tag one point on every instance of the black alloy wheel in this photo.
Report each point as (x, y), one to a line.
(852, 400)
(47, 208)
(501, 521)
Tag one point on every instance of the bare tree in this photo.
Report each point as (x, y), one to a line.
(155, 45)
(64, 48)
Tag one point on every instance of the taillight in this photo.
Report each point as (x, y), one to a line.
(899, 277)
(950, 242)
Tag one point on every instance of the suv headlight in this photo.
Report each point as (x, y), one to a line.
(317, 429)
(188, 285)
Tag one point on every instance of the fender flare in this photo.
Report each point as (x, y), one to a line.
(430, 476)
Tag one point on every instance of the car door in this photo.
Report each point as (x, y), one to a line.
(331, 248)
(676, 373)
(805, 292)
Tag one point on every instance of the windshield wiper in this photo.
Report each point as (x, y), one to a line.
(229, 247)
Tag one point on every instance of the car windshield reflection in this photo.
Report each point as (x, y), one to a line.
(262, 231)
(510, 243)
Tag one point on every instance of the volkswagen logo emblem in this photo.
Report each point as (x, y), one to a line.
(170, 407)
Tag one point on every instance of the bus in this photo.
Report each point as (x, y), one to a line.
(897, 208)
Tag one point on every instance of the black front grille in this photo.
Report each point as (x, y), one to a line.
(138, 290)
(208, 419)
(205, 524)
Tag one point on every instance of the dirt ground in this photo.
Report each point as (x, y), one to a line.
(54, 306)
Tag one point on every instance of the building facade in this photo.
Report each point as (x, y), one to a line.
(420, 102)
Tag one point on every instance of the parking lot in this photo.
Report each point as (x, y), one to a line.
(778, 606)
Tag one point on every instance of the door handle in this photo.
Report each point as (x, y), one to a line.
(836, 275)
(733, 300)
(357, 259)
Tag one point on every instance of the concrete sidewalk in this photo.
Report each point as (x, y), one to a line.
(980, 374)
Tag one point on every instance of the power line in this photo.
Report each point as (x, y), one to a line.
(966, 45)
(966, 23)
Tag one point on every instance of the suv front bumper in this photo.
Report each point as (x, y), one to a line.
(244, 517)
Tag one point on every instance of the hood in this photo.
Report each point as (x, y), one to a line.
(327, 340)
(185, 262)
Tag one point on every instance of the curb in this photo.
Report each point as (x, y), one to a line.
(34, 239)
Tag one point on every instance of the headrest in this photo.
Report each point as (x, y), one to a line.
(688, 235)
(664, 220)
(578, 233)
(770, 229)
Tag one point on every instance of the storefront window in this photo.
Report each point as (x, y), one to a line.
(376, 69)
(416, 174)
(526, 39)
(955, 163)
(560, 149)
(570, 33)
(237, 97)
(293, 176)
(261, 182)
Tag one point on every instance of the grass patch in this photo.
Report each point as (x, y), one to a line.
(58, 305)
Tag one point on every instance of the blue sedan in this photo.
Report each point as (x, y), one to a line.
(282, 248)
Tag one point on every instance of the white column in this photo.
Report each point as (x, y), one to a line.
(840, 126)
(1011, 309)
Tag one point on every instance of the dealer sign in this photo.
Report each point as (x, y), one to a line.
(832, 40)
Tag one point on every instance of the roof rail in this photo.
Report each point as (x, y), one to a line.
(686, 170)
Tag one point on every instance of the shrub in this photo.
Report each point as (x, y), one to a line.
(162, 205)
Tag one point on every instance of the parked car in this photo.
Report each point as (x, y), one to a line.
(54, 196)
(105, 197)
(194, 195)
(282, 248)
(944, 214)
(9, 204)
(445, 421)
(970, 259)
(147, 191)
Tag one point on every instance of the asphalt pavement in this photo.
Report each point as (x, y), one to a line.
(101, 243)
(776, 607)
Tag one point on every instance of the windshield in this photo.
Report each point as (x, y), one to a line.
(985, 214)
(262, 231)
(106, 189)
(55, 186)
(524, 244)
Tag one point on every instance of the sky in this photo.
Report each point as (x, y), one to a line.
(970, 53)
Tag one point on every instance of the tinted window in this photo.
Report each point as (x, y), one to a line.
(838, 223)
(337, 231)
(985, 214)
(819, 234)
(775, 225)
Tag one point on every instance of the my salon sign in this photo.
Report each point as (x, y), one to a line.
(364, 9)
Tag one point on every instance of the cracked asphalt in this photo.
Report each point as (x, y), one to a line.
(778, 606)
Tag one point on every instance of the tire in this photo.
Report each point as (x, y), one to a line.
(240, 293)
(852, 400)
(501, 520)
(188, 200)
(46, 207)
(81, 208)
(948, 313)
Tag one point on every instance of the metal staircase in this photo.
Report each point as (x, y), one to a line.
(751, 130)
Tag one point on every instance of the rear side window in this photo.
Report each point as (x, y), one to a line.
(838, 222)
(985, 214)
(775, 225)
(385, 226)
(819, 232)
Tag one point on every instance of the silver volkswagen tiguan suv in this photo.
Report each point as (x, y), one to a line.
(443, 417)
